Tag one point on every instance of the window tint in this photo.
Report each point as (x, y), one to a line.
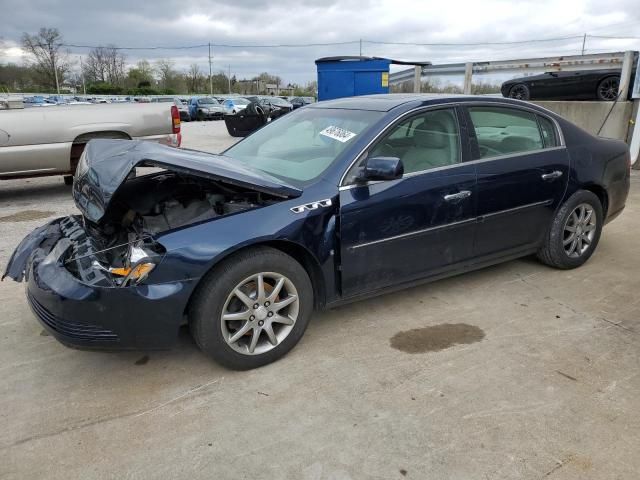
(422, 142)
(549, 134)
(501, 131)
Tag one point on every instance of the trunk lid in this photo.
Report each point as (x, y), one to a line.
(105, 165)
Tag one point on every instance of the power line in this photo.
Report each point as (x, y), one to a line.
(474, 44)
(352, 42)
(220, 45)
(613, 37)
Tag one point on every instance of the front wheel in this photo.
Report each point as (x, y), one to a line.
(520, 92)
(252, 309)
(574, 233)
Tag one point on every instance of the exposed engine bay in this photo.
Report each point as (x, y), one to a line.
(120, 250)
(163, 201)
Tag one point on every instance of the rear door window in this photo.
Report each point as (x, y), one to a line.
(504, 131)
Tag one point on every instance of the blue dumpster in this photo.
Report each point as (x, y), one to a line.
(348, 76)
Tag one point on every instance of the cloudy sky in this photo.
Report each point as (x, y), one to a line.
(251, 24)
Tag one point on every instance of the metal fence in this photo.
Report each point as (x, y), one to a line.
(624, 61)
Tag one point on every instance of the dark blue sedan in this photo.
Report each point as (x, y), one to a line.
(334, 202)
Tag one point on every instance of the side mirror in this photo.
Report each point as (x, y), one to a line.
(382, 168)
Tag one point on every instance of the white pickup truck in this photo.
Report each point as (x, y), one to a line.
(49, 141)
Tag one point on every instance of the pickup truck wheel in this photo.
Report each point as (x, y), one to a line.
(251, 309)
(574, 233)
(68, 180)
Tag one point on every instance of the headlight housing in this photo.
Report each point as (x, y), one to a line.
(139, 261)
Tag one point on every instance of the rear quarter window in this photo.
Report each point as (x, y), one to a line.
(549, 132)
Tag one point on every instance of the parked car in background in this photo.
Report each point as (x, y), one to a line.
(273, 107)
(234, 105)
(37, 142)
(332, 203)
(205, 108)
(269, 109)
(183, 108)
(37, 101)
(298, 102)
(580, 85)
(284, 105)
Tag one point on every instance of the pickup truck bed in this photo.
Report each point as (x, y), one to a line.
(49, 141)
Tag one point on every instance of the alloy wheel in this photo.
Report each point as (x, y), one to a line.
(608, 88)
(579, 230)
(260, 313)
(518, 92)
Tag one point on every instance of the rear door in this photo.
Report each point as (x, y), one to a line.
(399, 230)
(522, 171)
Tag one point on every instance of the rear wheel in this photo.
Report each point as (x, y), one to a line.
(608, 89)
(574, 233)
(520, 91)
(252, 309)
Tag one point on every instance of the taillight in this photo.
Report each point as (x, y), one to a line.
(175, 119)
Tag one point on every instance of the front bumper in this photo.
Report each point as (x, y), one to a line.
(88, 316)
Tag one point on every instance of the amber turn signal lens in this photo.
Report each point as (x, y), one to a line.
(136, 272)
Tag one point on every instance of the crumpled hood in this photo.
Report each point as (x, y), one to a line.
(105, 164)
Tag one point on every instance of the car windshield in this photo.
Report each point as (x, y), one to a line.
(240, 101)
(300, 146)
(208, 101)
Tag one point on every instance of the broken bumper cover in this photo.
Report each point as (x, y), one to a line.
(88, 316)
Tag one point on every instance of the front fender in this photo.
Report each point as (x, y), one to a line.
(193, 251)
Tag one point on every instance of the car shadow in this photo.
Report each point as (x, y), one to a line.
(34, 190)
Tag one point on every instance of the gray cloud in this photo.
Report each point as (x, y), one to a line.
(190, 22)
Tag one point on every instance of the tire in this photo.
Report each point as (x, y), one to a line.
(520, 92)
(68, 180)
(200, 116)
(216, 295)
(607, 90)
(556, 252)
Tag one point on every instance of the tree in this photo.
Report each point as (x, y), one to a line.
(166, 73)
(47, 56)
(194, 78)
(105, 65)
(140, 76)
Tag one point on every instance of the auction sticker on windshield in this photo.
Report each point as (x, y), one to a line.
(337, 133)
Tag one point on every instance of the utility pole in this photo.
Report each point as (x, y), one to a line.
(210, 79)
(584, 40)
(55, 71)
(229, 78)
(361, 47)
(84, 86)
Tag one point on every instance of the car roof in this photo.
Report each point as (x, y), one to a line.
(384, 102)
(388, 101)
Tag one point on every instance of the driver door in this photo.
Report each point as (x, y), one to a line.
(419, 225)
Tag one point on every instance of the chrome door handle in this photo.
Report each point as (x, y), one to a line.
(552, 176)
(457, 196)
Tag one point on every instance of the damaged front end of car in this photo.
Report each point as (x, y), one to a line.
(90, 277)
